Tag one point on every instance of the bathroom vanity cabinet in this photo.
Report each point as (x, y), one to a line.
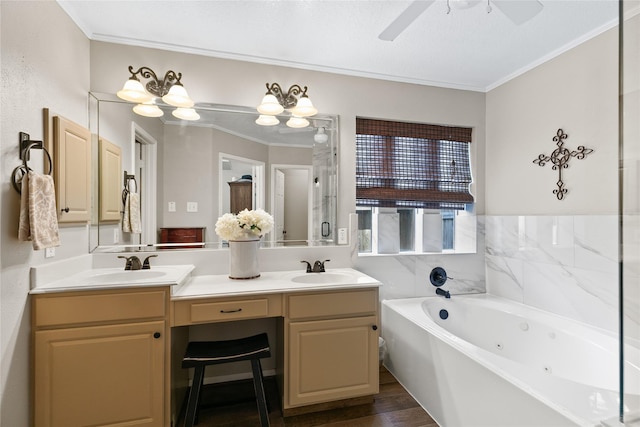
(331, 341)
(113, 356)
(99, 358)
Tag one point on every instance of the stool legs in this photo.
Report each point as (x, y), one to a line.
(194, 396)
(258, 386)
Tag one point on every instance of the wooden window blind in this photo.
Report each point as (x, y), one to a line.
(412, 165)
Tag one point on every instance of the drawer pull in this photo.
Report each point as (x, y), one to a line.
(156, 335)
(374, 327)
(231, 311)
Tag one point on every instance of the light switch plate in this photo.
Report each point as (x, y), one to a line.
(171, 207)
(342, 236)
(192, 206)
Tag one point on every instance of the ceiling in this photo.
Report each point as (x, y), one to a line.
(465, 49)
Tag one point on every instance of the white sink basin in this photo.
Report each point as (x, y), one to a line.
(323, 278)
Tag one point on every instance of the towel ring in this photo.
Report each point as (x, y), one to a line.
(20, 171)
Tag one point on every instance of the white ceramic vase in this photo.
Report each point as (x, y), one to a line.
(243, 258)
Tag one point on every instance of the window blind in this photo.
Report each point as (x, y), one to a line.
(412, 165)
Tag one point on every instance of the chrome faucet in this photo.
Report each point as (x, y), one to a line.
(442, 292)
(318, 266)
(132, 263)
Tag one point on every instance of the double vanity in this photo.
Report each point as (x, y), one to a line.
(108, 343)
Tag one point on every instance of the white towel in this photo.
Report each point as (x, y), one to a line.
(38, 214)
(131, 219)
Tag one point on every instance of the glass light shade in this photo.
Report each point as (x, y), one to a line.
(178, 97)
(133, 91)
(304, 108)
(186, 113)
(321, 137)
(270, 105)
(297, 122)
(267, 120)
(148, 109)
(463, 4)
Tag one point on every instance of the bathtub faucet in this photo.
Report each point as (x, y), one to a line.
(442, 292)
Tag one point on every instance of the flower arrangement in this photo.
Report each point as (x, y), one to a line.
(247, 223)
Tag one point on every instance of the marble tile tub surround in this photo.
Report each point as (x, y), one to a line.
(407, 276)
(567, 265)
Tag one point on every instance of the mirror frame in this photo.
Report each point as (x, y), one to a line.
(327, 203)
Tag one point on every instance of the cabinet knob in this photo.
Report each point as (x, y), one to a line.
(374, 327)
(65, 210)
(157, 335)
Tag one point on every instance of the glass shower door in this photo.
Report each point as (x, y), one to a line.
(629, 231)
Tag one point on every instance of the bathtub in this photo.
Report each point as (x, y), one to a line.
(480, 360)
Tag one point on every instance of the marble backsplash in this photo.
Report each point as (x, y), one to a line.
(407, 276)
(566, 265)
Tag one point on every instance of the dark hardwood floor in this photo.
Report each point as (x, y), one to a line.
(392, 407)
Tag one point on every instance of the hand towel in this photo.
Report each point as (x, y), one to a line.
(131, 219)
(38, 214)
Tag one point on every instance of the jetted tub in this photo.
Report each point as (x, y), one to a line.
(480, 360)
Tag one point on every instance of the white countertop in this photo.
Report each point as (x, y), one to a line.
(184, 285)
(111, 278)
(272, 282)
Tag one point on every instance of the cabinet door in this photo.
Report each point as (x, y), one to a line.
(100, 376)
(332, 360)
(111, 184)
(72, 170)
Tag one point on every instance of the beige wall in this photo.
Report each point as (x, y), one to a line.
(521, 118)
(45, 63)
(234, 82)
(577, 92)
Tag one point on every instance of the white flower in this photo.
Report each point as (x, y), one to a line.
(255, 222)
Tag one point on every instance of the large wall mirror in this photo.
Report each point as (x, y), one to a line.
(185, 174)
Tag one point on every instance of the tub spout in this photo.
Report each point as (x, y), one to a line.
(442, 292)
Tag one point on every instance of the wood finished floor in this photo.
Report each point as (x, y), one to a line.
(392, 407)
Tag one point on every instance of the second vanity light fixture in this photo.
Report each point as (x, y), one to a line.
(276, 101)
(169, 89)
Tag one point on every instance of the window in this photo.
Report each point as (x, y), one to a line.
(406, 173)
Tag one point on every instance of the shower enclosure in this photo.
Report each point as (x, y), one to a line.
(629, 209)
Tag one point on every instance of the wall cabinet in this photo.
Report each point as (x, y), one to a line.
(72, 170)
(331, 342)
(111, 185)
(100, 358)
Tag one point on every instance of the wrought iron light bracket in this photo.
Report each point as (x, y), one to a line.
(156, 86)
(560, 158)
(289, 99)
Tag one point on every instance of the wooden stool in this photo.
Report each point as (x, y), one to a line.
(199, 354)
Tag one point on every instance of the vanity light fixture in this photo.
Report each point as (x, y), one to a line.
(169, 89)
(297, 122)
(267, 120)
(295, 100)
(321, 136)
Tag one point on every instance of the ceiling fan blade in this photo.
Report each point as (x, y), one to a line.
(405, 19)
(519, 11)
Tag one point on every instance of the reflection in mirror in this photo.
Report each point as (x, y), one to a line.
(188, 173)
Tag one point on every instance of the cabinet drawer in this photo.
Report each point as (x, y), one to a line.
(98, 306)
(220, 310)
(330, 304)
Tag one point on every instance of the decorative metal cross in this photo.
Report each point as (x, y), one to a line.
(560, 159)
